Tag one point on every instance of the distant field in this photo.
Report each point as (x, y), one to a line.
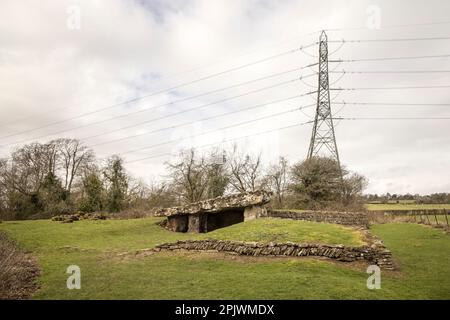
(395, 201)
(405, 206)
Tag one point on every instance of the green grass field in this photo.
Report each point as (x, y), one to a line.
(423, 253)
(281, 230)
(405, 206)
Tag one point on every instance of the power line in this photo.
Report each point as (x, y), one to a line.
(164, 90)
(224, 141)
(389, 118)
(163, 117)
(202, 67)
(243, 54)
(255, 62)
(388, 26)
(292, 70)
(211, 131)
(392, 58)
(232, 69)
(195, 68)
(248, 53)
(391, 88)
(388, 40)
(378, 104)
(220, 129)
(391, 104)
(181, 112)
(258, 61)
(336, 50)
(203, 119)
(390, 71)
(169, 103)
(274, 130)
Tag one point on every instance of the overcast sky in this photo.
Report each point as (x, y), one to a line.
(71, 64)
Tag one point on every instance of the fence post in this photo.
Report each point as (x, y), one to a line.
(445, 213)
(428, 218)
(435, 217)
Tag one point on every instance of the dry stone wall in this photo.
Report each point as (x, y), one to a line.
(374, 254)
(344, 218)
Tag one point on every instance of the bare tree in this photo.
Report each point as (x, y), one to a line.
(217, 173)
(74, 157)
(137, 190)
(25, 177)
(3, 185)
(354, 184)
(189, 176)
(29, 166)
(161, 194)
(245, 171)
(277, 176)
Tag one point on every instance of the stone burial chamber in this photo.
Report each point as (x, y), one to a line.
(215, 213)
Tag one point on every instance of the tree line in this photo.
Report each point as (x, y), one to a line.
(41, 180)
(316, 183)
(434, 198)
(60, 177)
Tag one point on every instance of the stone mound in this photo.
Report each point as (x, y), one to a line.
(69, 218)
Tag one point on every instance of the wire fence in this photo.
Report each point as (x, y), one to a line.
(438, 218)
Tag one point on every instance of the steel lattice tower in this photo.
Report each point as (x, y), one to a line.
(322, 137)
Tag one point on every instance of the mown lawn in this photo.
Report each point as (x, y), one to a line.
(422, 252)
(282, 230)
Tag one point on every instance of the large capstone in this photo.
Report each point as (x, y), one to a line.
(211, 214)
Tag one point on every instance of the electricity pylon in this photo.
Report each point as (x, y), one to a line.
(323, 140)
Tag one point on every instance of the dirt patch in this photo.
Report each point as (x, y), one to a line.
(18, 271)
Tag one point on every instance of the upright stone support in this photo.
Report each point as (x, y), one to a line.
(254, 212)
(178, 223)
